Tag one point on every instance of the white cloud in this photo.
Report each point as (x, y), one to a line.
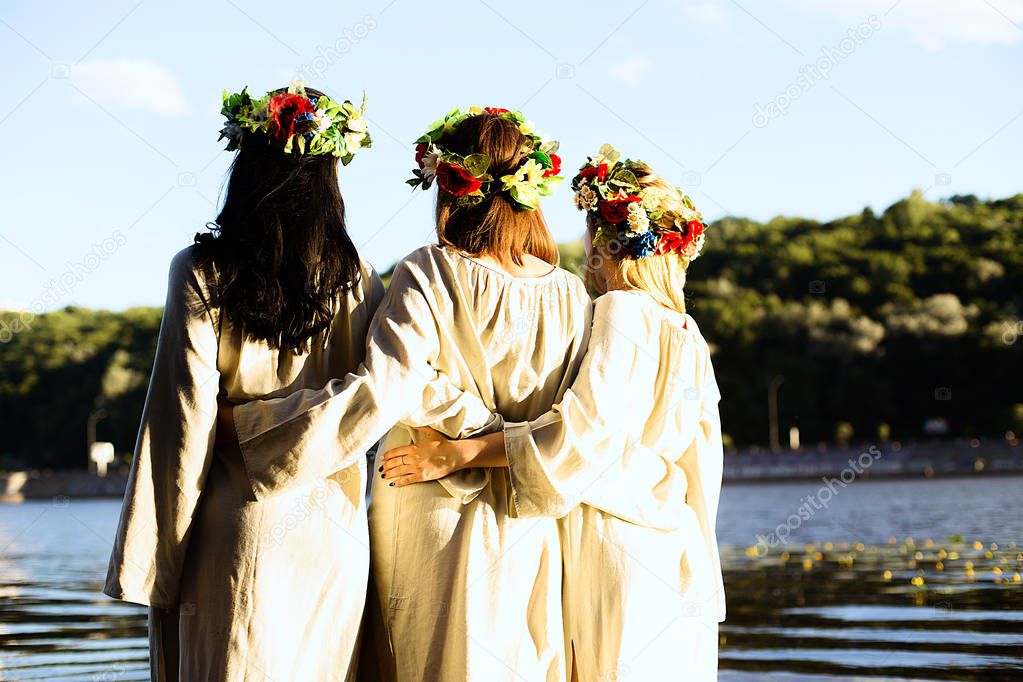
(934, 23)
(129, 84)
(631, 71)
(710, 13)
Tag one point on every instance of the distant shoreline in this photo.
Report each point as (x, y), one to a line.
(928, 459)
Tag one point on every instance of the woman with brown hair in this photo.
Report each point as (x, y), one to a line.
(464, 590)
(630, 459)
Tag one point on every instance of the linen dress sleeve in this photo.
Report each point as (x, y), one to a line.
(584, 450)
(174, 448)
(312, 433)
(703, 463)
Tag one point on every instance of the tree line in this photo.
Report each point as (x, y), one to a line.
(869, 326)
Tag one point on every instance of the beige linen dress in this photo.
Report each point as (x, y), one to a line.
(464, 589)
(239, 588)
(643, 589)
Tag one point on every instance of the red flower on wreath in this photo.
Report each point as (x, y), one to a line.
(456, 180)
(599, 171)
(616, 210)
(680, 242)
(420, 153)
(672, 242)
(282, 110)
(496, 111)
(555, 166)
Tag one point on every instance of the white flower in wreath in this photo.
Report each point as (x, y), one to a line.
(323, 121)
(430, 160)
(639, 222)
(651, 198)
(586, 198)
(354, 140)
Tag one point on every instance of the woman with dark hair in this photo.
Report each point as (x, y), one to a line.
(272, 300)
(462, 588)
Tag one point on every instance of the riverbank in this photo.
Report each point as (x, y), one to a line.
(919, 459)
(17, 486)
(924, 459)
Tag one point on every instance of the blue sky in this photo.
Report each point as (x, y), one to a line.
(109, 112)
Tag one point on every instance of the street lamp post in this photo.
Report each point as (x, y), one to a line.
(772, 411)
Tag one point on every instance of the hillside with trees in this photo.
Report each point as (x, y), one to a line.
(877, 323)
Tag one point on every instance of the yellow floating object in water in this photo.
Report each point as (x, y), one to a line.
(953, 555)
(978, 545)
(918, 581)
(939, 566)
(887, 576)
(807, 564)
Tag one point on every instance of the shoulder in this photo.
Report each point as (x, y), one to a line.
(369, 288)
(188, 282)
(620, 322)
(573, 283)
(188, 271)
(424, 258)
(622, 307)
(694, 331)
(424, 264)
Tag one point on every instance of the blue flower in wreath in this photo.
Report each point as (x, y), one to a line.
(639, 245)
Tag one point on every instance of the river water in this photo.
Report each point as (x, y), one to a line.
(896, 580)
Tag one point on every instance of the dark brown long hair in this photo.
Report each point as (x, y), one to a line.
(280, 248)
(494, 227)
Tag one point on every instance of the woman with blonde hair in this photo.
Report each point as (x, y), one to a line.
(463, 588)
(643, 592)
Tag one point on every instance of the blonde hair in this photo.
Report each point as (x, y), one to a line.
(662, 276)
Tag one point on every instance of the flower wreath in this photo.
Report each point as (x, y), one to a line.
(312, 125)
(644, 220)
(466, 177)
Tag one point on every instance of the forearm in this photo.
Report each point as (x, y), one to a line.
(481, 452)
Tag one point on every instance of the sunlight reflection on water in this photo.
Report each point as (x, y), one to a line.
(817, 608)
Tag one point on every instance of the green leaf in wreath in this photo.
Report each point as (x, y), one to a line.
(625, 179)
(476, 164)
(542, 158)
(550, 147)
